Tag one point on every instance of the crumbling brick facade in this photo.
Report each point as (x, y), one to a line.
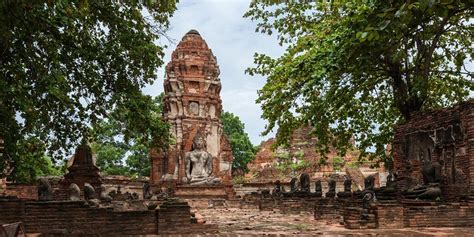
(445, 136)
(192, 105)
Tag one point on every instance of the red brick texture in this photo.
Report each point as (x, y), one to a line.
(76, 218)
(192, 104)
(446, 136)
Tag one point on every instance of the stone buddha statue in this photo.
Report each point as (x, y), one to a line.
(432, 177)
(347, 188)
(199, 164)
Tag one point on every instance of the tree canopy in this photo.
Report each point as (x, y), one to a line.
(242, 149)
(117, 155)
(33, 162)
(354, 69)
(64, 65)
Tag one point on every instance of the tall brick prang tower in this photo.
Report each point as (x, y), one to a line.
(192, 105)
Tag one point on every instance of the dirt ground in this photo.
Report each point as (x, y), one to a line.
(248, 222)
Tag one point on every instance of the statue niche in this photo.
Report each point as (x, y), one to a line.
(432, 177)
(199, 164)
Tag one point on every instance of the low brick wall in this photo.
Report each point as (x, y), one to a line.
(328, 209)
(389, 216)
(218, 191)
(412, 213)
(321, 207)
(174, 218)
(296, 205)
(352, 218)
(438, 214)
(76, 218)
(23, 191)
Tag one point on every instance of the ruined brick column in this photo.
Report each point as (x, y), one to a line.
(192, 104)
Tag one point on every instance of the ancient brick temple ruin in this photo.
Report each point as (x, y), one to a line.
(192, 105)
(80, 205)
(82, 169)
(431, 183)
(442, 141)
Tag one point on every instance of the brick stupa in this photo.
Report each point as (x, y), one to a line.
(82, 170)
(192, 105)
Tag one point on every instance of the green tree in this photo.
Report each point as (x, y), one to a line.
(33, 162)
(120, 155)
(138, 161)
(354, 69)
(242, 148)
(64, 65)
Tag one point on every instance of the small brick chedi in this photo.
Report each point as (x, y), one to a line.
(201, 155)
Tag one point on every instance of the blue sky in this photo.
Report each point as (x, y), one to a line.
(233, 41)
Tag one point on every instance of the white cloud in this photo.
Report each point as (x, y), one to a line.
(233, 40)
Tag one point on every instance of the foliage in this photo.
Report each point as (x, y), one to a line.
(119, 155)
(33, 162)
(282, 154)
(353, 164)
(299, 154)
(354, 69)
(242, 148)
(323, 161)
(286, 160)
(64, 65)
(300, 165)
(238, 180)
(337, 163)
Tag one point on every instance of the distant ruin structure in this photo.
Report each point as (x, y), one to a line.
(192, 105)
(82, 170)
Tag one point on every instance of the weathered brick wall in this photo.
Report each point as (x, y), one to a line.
(390, 216)
(296, 205)
(68, 217)
(23, 191)
(187, 191)
(446, 136)
(328, 209)
(439, 215)
(414, 213)
(3, 186)
(352, 218)
(174, 218)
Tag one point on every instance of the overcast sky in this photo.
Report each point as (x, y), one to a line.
(233, 41)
